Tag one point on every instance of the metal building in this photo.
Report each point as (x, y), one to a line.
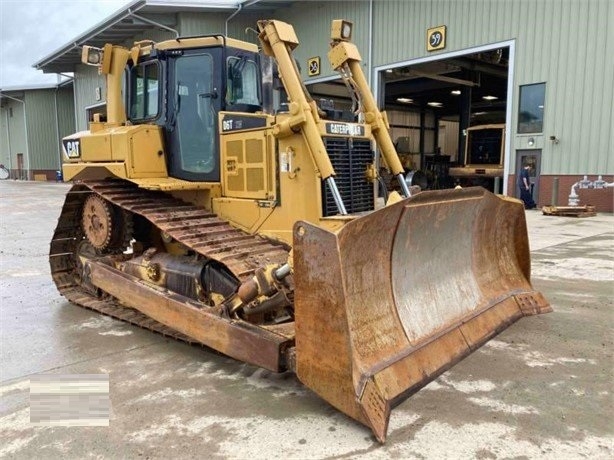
(33, 120)
(540, 70)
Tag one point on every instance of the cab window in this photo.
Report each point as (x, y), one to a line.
(242, 85)
(144, 94)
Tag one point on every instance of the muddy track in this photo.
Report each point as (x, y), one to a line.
(191, 225)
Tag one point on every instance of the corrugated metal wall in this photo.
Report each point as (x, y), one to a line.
(239, 26)
(206, 24)
(42, 132)
(43, 149)
(448, 138)
(13, 134)
(311, 21)
(4, 138)
(86, 82)
(66, 112)
(40, 110)
(566, 43)
(155, 35)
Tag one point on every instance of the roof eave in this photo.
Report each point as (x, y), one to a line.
(118, 16)
(53, 63)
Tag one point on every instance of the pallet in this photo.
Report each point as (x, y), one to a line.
(569, 211)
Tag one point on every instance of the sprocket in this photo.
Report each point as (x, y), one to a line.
(105, 226)
(97, 222)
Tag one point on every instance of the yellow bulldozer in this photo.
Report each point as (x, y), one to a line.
(199, 213)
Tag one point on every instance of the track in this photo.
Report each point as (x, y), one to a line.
(193, 226)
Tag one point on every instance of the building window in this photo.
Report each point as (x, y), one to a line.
(531, 108)
(144, 95)
(11, 112)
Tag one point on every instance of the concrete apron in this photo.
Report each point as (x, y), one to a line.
(543, 388)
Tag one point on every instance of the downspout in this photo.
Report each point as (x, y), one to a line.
(370, 74)
(8, 140)
(247, 3)
(57, 127)
(74, 99)
(370, 82)
(508, 118)
(25, 127)
(237, 11)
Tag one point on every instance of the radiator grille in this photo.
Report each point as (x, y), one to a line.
(350, 158)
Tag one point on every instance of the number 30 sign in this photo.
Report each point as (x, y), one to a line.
(436, 38)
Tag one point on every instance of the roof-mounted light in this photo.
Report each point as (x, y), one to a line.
(341, 30)
(91, 55)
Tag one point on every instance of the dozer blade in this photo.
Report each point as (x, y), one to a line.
(395, 298)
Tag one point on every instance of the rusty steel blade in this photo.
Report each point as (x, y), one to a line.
(393, 299)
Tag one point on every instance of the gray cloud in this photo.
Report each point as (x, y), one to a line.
(31, 30)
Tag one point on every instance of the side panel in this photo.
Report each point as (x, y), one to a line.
(136, 151)
(97, 147)
(147, 157)
(247, 163)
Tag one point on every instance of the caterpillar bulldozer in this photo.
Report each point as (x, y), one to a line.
(200, 213)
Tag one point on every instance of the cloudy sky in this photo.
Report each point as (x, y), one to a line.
(33, 29)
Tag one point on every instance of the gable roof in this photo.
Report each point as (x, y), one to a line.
(35, 86)
(130, 20)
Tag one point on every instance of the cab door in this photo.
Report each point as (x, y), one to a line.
(194, 101)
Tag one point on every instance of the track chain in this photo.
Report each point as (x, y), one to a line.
(191, 225)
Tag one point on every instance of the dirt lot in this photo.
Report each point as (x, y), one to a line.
(541, 389)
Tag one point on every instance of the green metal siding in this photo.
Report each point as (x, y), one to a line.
(4, 138)
(43, 145)
(66, 113)
(86, 82)
(155, 35)
(312, 21)
(205, 24)
(566, 43)
(239, 26)
(42, 134)
(15, 135)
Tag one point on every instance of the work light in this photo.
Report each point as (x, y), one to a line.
(91, 55)
(341, 30)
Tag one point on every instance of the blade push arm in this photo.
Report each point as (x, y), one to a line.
(345, 59)
(278, 40)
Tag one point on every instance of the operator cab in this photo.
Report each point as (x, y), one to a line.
(182, 85)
